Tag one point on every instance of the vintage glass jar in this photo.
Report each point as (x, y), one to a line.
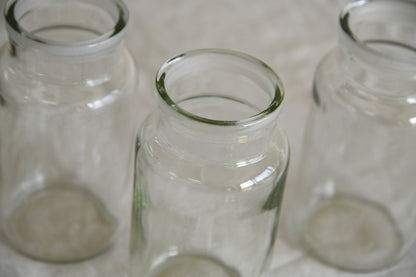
(211, 163)
(67, 127)
(355, 200)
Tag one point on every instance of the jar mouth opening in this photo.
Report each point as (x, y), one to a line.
(381, 31)
(219, 87)
(66, 28)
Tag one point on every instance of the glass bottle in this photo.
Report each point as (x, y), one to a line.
(67, 90)
(355, 202)
(211, 163)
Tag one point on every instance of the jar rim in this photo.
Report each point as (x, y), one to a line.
(363, 49)
(117, 9)
(273, 106)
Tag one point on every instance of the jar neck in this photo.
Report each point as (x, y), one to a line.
(43, 66)
(215, 144)
(217, 105)
(65, 40)
(377, 47)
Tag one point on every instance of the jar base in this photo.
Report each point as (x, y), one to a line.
(192, 265)
(60, 224)
(353, 234)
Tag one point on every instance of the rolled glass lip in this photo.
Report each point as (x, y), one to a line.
(116, 8)
(272, 108)
(362, 49)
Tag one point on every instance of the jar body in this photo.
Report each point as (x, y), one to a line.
(66, 146)
(207, 197)
(355, 202)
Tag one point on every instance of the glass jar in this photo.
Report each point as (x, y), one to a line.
(67, 90)
(211, 163)
(355, 203)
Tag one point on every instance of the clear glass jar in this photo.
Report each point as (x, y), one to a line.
(355, 203)
(67, 91)
(211, 163)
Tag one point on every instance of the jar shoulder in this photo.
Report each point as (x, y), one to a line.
(338, 88)
(203, 167)
(78, 84)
